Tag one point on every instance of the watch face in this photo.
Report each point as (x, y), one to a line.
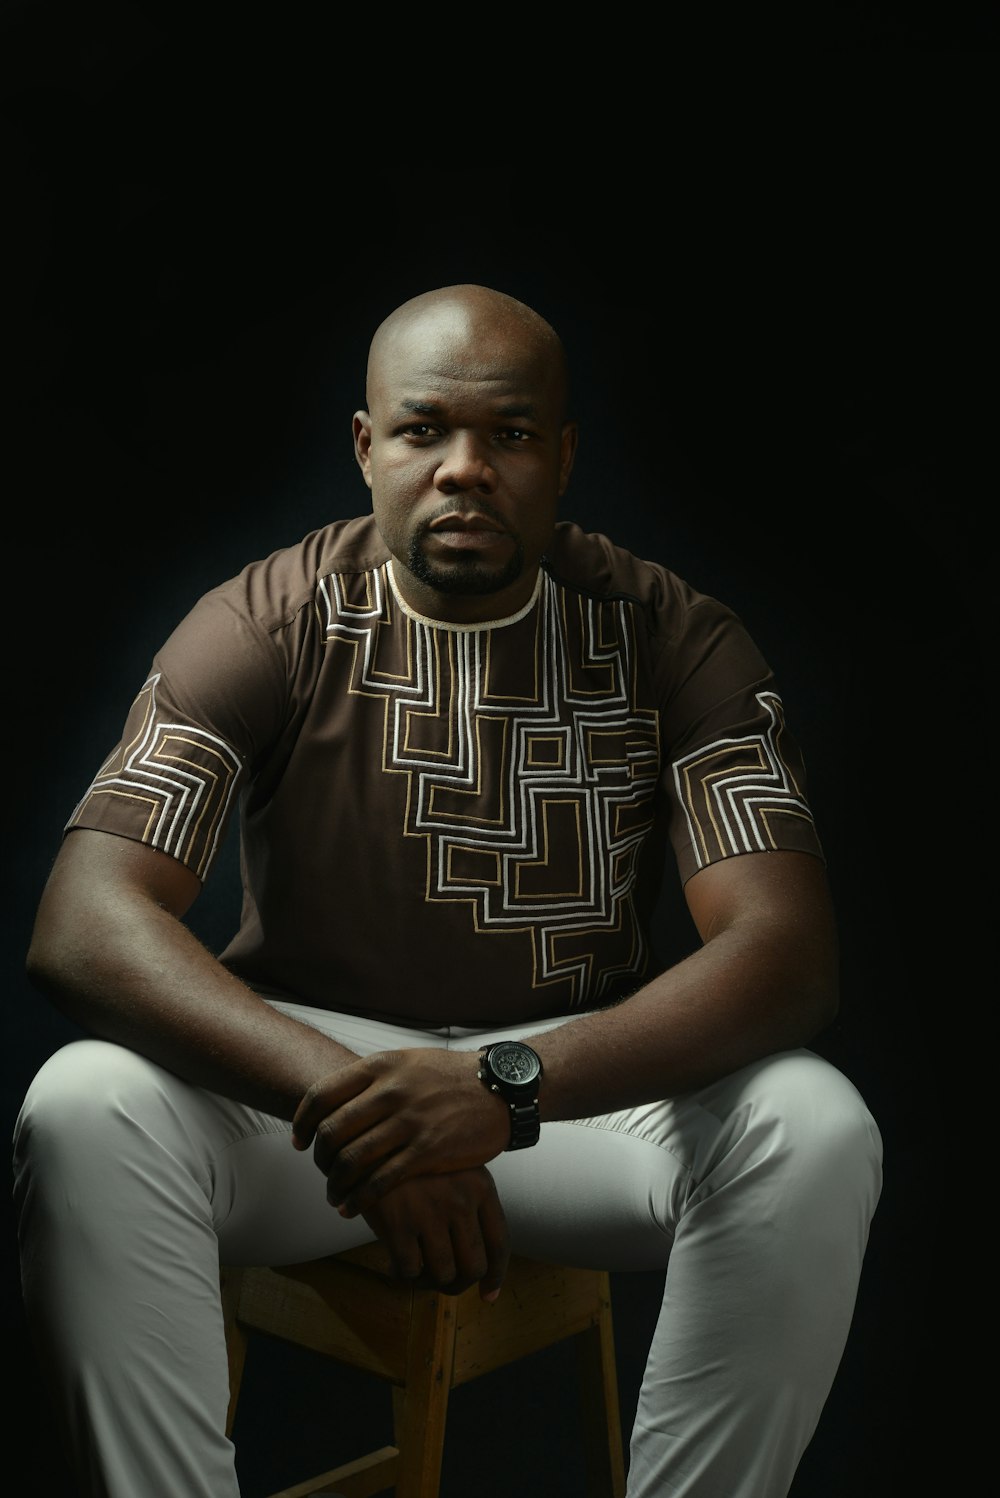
(513, 1062)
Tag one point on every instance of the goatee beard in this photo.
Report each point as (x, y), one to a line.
(466, 576)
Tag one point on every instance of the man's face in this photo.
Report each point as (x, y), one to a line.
(466, 456)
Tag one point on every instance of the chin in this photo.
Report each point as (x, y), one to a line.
(470, 579)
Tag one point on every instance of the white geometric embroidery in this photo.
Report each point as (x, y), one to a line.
(187, 775)
(736, 781)
(600, 769)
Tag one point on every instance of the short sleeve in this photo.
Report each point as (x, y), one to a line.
(213, 702)
(733, 771)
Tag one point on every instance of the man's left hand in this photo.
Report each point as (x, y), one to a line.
(397, 1114)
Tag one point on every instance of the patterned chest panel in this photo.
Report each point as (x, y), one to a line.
(530, 767)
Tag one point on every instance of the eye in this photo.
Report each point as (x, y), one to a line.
(421, 430)
(514, 434)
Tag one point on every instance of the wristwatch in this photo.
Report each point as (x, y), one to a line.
(513, 1070)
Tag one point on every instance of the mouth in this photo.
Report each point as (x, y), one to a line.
(457, 522)
(467, 532)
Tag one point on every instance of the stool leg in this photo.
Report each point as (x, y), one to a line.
(236, 1339)
(602, 1431)
(421, 1406)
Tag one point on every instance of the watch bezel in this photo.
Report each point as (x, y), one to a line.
(493, 1059)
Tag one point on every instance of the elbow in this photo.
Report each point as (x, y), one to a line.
(39, 963)
(46, 964)
(63, 955)
(828, 1006)
(823, 1002)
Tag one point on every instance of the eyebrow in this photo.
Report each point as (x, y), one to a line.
(507, 412)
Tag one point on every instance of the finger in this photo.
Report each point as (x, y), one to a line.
(469, 1251)
(406, 1254)
(349, 1145)
(324, 1097)
(402, 1165)
(439, 1258)
(496, 1241)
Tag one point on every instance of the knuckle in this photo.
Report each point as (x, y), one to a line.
(350, 1157)
(409, 1266)
(326, 1130)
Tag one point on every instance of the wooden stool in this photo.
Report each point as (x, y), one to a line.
(425, 1344)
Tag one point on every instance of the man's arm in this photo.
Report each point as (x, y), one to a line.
(764, 980)
(111, 951)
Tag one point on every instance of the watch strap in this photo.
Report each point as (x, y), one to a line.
(525, 1125)
(525, 1115)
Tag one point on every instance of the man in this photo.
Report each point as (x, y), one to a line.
(461, 734)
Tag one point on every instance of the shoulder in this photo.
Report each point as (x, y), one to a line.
(274, 590)
(591, 563)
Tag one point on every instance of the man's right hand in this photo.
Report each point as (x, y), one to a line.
(445, 1232)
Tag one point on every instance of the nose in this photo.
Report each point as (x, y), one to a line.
(466, 465)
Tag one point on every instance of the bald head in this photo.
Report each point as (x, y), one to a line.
(470, 317)
(466, 448)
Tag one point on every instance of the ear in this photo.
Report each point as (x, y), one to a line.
(361, 426)
(567, 453)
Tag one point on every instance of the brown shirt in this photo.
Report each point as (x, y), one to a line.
(453, 824)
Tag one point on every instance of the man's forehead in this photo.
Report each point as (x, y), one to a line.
(487, 384)
(471, 354)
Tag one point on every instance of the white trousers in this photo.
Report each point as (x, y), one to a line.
(757, 1193)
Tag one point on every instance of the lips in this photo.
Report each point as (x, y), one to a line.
(456, 522)
(466, 532)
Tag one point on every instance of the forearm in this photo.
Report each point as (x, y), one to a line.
(129, 971)
(734, 1000)
(764, 981)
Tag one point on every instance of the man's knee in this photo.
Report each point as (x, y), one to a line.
(79, 1099)
(811, 1120)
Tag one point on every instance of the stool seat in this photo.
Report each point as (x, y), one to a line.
(423, 1343)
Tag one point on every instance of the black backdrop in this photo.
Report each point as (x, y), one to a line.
(775, 318)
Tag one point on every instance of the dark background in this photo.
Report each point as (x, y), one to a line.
(772, 269)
